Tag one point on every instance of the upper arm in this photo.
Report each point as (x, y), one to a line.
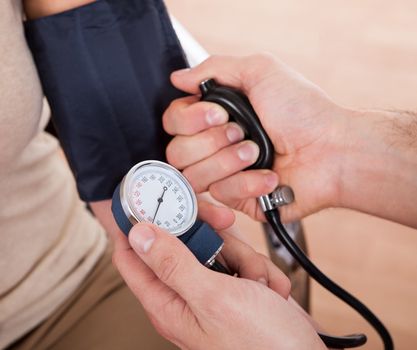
(41, 8)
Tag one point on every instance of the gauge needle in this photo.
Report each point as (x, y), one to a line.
(160, 200)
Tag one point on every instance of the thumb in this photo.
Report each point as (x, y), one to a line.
(171, 261)
(225, 69)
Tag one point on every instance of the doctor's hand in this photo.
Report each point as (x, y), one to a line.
(196, 308)
(305, 126)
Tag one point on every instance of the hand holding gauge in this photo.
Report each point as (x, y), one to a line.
(134, 201)
(206, 246)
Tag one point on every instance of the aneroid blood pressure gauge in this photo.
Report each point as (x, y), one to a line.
(156, 192)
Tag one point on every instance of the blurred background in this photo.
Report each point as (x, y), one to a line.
(364, 54)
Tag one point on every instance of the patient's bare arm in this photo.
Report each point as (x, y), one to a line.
(41, 8)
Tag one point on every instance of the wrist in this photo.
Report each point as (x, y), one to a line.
(379, 166)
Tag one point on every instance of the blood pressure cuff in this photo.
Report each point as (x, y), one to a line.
(105, 70)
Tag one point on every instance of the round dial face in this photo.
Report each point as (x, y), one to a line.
(158, 193)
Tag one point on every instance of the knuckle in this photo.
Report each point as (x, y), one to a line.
(223, 167)
(255, 184)
(198, 186)
(213, 140)
(258, 66)
(263, 58)
(167, 268)
(245, 188)
(262, 258)
(215, 190)
(172, 153)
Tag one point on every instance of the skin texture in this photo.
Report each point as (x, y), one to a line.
(306, 139)
(236, 255)
(217, 311)
(40, 8)
(331, 156)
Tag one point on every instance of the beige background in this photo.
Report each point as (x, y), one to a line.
(364, 54)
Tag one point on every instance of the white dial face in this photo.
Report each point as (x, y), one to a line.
(158, 193)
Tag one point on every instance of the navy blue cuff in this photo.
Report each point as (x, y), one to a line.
(201, 239)
(105, 70)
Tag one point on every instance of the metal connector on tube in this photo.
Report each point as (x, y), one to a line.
(283, 195)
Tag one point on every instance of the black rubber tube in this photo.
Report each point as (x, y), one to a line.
(336, 342)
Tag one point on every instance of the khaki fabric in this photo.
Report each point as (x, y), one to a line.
(102, 314)
(49, 242)
(58, 289)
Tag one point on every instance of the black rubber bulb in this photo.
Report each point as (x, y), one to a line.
(241, 112)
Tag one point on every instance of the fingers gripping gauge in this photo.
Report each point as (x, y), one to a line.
(156, 192)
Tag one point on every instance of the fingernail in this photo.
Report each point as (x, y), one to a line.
(263, 281)
(181, 72)
(234, 133)
(248, 152)
(216, 116)
(141, 238)
(271, 179)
